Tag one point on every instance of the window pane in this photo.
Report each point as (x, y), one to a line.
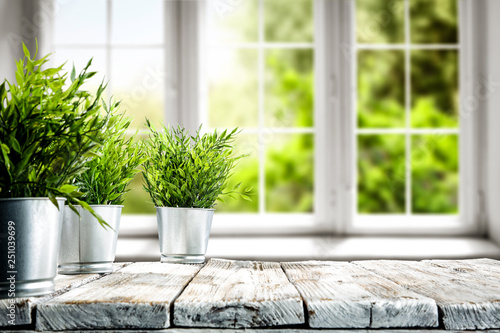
(137, 22)
(232, 21)
(433, 21)
(80, 22)
(289, 93)
(381, 89)
(138, 81)
(137, 200)
(80, 58)
(246, 172)
(380, 21)
(288, 21)
(381, 173)
(232, 76)
(435, 174)
(289, 169)
(434, 85)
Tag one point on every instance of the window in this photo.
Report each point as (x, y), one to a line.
(350, 110)
(260, 73)
(127, 44)
(410, 136)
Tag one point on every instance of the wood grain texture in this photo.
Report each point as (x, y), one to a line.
(262, 330)
(239, 294)
(23, 306)
(467, 300)
(138, 296)
(343, 295)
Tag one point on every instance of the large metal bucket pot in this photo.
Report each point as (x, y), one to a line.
(183, 234)
(86, 246)
(30, 234)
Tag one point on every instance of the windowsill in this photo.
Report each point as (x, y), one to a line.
(322, 248)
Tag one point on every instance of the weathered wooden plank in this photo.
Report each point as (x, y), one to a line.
(343, 295)
(238, 294)
(486, 268)
(138, 296)
(467, 301)
(18, 311)
(261, 330)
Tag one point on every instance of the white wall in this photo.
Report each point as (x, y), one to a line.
(10, 12)
(22, 21)
(491, 67)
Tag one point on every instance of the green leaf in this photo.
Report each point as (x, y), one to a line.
(26, 51)
(53, 199)
(15, 145)
(246, 197)
(5, 149)
(67, 188)
(181, 172)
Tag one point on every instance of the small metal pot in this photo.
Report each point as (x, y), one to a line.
(86, 246)
(183, 234)
(30, 234)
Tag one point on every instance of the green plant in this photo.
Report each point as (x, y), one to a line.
(189, 171)
(108, 174)
(48, 127)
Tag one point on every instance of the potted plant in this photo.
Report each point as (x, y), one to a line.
(87, 247)
(48, 127)
(185, 175)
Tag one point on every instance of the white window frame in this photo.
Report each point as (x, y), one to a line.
(334, 116)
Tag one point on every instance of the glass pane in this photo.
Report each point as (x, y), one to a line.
(433, 21)
(80, 58)
(289, 93)
(246, 172)
(138, 81)
(288, 21)
(137, 200)
(233, 97)
(289, 171)
(434, 86)
(80, 22)
(232, 21)
(381, 89)
(435, 174)
(380, 21)
(381, 173)
(137, 23)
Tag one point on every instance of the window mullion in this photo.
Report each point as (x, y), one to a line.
(333, 116)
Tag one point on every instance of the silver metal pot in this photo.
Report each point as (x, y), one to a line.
(86, 246)
(30, 234)
(183, 234)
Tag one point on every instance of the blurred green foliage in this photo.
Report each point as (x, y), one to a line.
(435, 174)
(381, 89)
(382, 159)
(433, 21)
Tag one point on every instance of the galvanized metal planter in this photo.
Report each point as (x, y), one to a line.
(87, 247)
(183, 234)
(30, 233)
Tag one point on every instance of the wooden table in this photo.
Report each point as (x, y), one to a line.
(435, 294)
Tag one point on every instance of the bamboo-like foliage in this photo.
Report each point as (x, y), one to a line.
(189, 171)
(48, 128)
(108, 174)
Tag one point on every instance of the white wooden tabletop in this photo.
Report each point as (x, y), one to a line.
(435, 295)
